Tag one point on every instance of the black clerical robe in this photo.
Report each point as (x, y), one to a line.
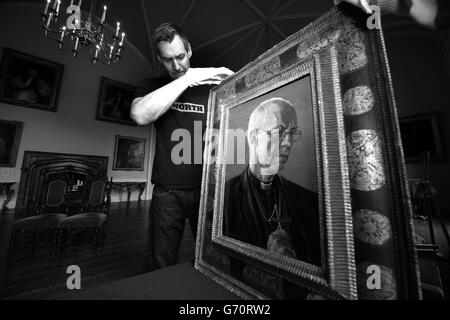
(243, 219)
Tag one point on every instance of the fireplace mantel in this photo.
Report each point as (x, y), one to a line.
(34, 162)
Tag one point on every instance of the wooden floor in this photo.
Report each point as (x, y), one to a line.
(34, 274)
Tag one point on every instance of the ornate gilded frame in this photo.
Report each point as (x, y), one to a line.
(359, 162)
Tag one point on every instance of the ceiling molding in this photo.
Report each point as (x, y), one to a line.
(308, 15)
(278, 31)
(274, 5)
(262, 16)
(228, 34)
(235, 44)
(187, 13)
(256, 46)
(265, 19)
(152, 58)
(287, 4)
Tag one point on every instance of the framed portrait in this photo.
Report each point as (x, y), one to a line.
(129, 154)
(304, 188)
(10, 133)
(420, 134)
(29, 81)
(114, 102)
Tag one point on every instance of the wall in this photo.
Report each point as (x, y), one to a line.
(73, 128)
(419, 60)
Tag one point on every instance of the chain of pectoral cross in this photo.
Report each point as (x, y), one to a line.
(276, 212)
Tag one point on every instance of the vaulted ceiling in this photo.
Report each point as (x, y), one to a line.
(222, 32)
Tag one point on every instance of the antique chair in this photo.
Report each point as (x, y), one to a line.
(52, 207)
(95, 209)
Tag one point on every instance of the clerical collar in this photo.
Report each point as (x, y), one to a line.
(265, 186)
(258, 184)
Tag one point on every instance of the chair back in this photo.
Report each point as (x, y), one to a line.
(97, 196)
(54, 196)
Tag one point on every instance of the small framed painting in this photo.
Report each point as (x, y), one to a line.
(129, 154)
(10, 133)
(29, 81)
(114, 102)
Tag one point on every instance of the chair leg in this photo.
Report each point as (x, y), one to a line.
(96, 240)
(34, 237)
(34, 240)
(103, 232)
(54, 242)
(60, 236)
(12, 244)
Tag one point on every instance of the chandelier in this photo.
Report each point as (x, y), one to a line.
(74, 32)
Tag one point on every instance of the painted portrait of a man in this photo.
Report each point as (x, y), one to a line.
(264, 205)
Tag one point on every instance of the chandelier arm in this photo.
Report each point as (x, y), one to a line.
(91, 11)
(83, 33)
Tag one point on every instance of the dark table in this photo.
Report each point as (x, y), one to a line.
(6, 188)
(129, 187)
(179, 282)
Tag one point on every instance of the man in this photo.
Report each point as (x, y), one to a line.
(260, 206)
(434, 14)
(178, 103)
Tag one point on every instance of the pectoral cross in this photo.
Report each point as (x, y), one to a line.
(276, 217)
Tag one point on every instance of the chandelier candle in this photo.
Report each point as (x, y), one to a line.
(103, 15)
(96, 52)
(49, 19)
(57, 7)
(121, 40)
(117, 29)
(63, 33)
(46, 7)
(76, 32)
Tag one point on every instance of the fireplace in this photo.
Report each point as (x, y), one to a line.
(36, 164)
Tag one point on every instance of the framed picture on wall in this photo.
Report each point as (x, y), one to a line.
(420, 134)
(29, 81)
(10, 133)
(129, 154)
(114, 102)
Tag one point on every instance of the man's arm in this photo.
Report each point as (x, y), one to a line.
(147, 109)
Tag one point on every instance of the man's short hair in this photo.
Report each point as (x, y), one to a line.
(260, 113)
(167, 32)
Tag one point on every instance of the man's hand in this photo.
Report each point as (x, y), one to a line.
(359, 3)
(206, 76)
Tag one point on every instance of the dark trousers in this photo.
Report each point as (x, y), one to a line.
(169, 210)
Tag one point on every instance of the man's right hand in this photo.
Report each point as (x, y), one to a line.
(206, 76)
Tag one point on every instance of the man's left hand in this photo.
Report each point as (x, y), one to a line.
(363, 4)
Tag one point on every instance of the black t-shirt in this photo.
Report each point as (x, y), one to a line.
(179, 138)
